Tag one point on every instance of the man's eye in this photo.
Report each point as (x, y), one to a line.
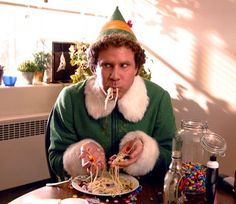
(106, 65)
(124, 65)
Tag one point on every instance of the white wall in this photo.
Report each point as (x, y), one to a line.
(27, 100)
(193, 48)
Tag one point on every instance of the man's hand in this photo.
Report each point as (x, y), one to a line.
(92, 157)
(131, 151)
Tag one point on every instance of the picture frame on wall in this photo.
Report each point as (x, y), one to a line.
(61, 67)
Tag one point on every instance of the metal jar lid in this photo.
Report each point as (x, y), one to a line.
(214, 143)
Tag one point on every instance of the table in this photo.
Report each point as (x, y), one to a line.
(150, 194)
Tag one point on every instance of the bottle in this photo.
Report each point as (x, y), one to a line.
(172, 180)
(211, 179)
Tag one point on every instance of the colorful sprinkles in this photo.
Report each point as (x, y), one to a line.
(132, 198)
(194, 178)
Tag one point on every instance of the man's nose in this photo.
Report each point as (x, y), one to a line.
(115, 73)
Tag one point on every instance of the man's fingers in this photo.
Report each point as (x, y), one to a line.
(85, 163)
(126, 163)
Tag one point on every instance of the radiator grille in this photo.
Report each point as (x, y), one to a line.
(22, 129)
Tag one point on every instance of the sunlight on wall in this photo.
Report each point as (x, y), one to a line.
(183, 13)
(200, 62)
(194, 59)
(180, 52)
(221, 75)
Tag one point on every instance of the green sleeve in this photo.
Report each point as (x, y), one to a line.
(62, 131)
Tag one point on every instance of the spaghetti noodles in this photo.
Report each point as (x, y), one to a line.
(110, 96)
(108, 182)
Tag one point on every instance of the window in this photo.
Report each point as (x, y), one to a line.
(31, 26)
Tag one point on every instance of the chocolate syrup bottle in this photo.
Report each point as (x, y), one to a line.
(211, 179)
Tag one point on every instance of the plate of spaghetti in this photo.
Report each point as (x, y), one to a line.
(106, 184)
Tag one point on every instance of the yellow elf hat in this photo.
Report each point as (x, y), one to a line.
(117, 24)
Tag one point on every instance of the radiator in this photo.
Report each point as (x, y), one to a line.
(22, 150)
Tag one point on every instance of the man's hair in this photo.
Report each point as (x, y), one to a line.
(116, 40)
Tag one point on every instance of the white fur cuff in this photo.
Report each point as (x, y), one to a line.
(148, 157)
(72, 162)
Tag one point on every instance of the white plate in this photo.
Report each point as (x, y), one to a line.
(134, 182)
(73, 201)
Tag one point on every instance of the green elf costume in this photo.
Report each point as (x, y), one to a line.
(144, 112)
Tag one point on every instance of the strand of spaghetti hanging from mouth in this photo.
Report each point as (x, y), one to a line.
(110, 96)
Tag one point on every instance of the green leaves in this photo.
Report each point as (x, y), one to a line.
(78, 57)
(27, 66)
(42, 60)
(145, 73)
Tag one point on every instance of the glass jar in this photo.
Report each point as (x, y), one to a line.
(198, 144)
(193, 163)
(191, 133)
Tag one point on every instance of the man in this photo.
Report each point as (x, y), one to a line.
(113, 111)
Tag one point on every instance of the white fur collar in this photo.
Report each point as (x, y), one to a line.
(132, 105)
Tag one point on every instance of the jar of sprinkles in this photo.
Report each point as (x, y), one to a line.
(193, 156)
(199, 143)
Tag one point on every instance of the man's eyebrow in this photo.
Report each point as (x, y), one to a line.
(105, 61)
(126, 62)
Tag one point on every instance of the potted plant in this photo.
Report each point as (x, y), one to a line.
(78, 57)
(42, 60)
(27, 69)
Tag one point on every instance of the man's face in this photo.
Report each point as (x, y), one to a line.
(117, 69)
